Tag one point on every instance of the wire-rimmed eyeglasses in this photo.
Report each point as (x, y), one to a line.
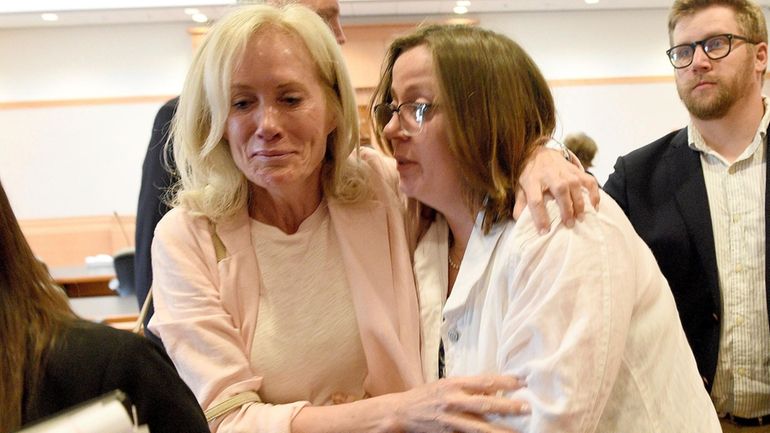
(411, 116)
(715, 48)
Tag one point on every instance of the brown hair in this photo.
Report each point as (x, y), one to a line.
(33, 311)
(583, 146)
(497, 103)
(748, 14)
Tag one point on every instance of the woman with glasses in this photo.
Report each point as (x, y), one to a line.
(283, 280)
(583, 314)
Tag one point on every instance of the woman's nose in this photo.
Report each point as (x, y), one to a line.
(268, 120)
(393, 129)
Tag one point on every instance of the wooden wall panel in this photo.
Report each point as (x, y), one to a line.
(68, 241)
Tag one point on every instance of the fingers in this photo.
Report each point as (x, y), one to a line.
(589, 182)
(490, 404)
(521, 203)
(487, 384)
(547, 171)
(575, 160)
(536, 204)
(464, 423)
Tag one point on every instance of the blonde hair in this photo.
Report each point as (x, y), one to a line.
(210, 182)
(749, 15)
(496, 101)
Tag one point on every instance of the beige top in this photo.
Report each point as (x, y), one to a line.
(736, 193)
(207, 305)
(306, 343)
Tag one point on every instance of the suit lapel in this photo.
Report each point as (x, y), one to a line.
(686, 173)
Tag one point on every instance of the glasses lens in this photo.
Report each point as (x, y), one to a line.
(681, 56)
(717, 47)
(382, 115)
(411, 118)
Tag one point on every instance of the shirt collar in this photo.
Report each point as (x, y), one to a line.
(696, 142)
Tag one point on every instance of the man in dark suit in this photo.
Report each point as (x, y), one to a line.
(158, 170)
(698, 197)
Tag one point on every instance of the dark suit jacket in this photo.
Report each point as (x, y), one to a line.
(662, 191)
(157, 178)
(90, 360)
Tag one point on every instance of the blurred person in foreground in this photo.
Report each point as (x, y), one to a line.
(52, 360)
(582, 314)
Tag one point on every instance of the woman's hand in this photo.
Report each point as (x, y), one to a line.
(457, 405)
(548, 171)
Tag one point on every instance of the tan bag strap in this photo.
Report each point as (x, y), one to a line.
(219, 247)
(139, 325)
(224, 407)
(221, 253)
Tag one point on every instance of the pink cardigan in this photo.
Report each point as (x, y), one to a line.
(206, 312)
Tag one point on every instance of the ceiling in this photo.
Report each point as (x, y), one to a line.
(27, 13)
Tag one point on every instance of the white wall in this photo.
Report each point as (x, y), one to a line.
(83, 160)
(86, 160)
(570, 45)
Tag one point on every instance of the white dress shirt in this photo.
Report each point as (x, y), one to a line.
(736, 195)
(584, 315)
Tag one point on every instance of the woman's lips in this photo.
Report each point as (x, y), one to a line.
(271, 154)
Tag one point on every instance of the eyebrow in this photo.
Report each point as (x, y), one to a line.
(289, 84)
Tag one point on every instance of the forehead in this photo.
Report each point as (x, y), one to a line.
(710, 21)
(413, 71)
(271, 50)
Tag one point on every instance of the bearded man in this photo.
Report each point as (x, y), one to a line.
(698, 197)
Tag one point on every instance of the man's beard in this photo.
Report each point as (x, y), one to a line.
(710, 107)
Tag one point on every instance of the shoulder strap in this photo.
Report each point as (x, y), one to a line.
(219, 247)
(224, 407)
(220, 252)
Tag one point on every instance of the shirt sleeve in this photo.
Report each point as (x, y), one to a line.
(200, 334)
(565, 328)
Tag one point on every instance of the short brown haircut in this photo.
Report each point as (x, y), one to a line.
(583, 146)
(749, 15)
(496, 101)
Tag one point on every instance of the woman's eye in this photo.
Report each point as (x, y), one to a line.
(241, 104)
(291, 100)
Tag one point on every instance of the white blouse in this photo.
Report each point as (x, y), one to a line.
(584, 315)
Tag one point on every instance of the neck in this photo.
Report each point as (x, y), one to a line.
(460, 224)
(731, 134)
(281, 209)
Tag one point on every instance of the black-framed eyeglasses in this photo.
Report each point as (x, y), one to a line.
(715, 47)
(411, 116)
